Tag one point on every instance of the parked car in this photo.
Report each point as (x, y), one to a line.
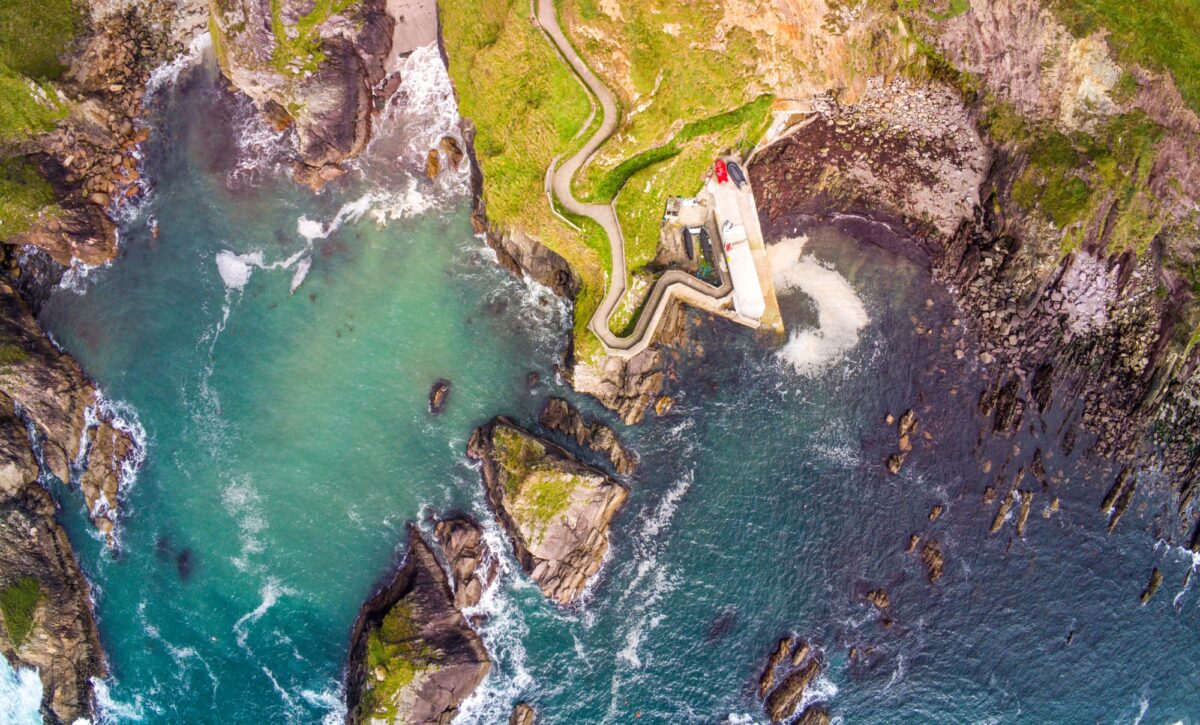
(722, 173)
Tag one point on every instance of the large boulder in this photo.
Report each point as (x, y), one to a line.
(555, 510)
(312, 65)
(470, 561)
(413, 657)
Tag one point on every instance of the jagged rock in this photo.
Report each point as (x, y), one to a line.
(908, 422)
(814, 715)
(782, 702)
(879, 598)
(800, 653)
(454, 153)
(1152, 586)
(936, 512)
(1002, 512)
(895, 461)
(53, 628)
(1023, 514)
(522, 714)
(413, 657)
(767, 680)
(439, 395)
(558, 415)
(323, 80)
(554, 509)
(931, 555)
(58, 399)
(433, 164)
(471, 562)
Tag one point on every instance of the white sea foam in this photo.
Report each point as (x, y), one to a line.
(77, 276)
(822, 690)
(300, 273)
(270, 592)
(332, 700)
(236, 269)
(167, 73)
(243, 502)
(20, 695)
(841, 314)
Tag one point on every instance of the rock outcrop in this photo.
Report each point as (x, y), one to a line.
(471, 563)
(45, 602)
(65, 410)
(318, 67)
(554, 509)
(786, 680)
(413, 657)
(522, 714)
(561, 417)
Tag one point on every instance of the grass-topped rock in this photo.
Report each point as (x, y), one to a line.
(413, 658)
(555, 509)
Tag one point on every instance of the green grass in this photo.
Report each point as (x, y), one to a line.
(537, 489)
(18, 602)
(396, 648)
(1158, 34)
(35, 34)
(302, 53)
(27, 107)
(1078, 181)
(24, 195)
(528, 108)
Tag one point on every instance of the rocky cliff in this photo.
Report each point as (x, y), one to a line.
(471, 563)
(44, 600)
(555, 510)
(413, 658)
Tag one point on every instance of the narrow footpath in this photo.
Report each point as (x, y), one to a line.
(673, 284)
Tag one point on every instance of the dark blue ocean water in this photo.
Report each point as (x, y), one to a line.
(288, 443)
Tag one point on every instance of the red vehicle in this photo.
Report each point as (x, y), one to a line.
(722, 172)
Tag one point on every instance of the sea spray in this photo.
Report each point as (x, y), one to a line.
(20, 695)
(840, 312)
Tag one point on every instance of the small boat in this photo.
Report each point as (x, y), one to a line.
(735, 173)
(722, 174)
(688, 245)
(706, 246)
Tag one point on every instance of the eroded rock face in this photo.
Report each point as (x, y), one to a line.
(558, 415)
(413, 657)
(629, 386)
(785, 679)
(322, 78)
(63, 406)
(522, 714)
(471, 563)
(53, 628)
(555, 510)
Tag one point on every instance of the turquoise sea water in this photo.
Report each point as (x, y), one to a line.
(288, 443)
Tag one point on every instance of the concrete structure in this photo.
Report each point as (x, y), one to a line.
(673, 284)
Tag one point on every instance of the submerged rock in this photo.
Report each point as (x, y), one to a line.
(439, 395)
(554, 509)
(45, 601)
(879, 597)
(1152, 586)
(413, 657)
(522, 714)
(931, 554)
(471, 562)
(558, 415)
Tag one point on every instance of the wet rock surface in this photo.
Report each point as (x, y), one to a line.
(439, 396)
(471, 563)
(558, 415)
(51, 627)
(522, 714)
(784, 680)
(413, 657)
(555, 510)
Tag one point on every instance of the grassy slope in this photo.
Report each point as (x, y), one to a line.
(18, 602)
(35, 34)
(690, 104)
(1158, 34)
(527, 107)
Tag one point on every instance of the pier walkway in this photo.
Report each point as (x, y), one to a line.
(673, 284)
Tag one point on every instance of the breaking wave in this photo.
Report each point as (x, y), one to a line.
(20, 695)
(841, 314)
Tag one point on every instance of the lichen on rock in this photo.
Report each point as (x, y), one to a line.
(555, 510)
(413, 657)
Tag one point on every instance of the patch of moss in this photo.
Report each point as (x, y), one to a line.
(24, 195)
(18, 602)
(536, 488)
(35, 34)
(518, 454)
(394, 649)
(298, 47)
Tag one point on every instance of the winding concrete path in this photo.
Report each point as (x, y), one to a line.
(673, 283)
